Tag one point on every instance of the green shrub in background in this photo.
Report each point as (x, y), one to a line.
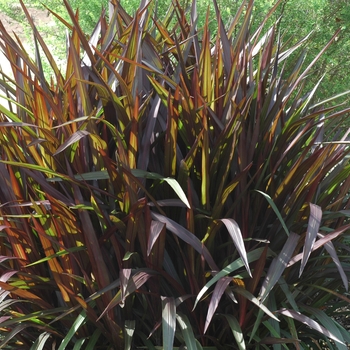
(168, 189)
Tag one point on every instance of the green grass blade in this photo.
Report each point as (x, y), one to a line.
(168, 322)
(129, 332)
(188, 237)
(328, 323)
(275, 209)
(187, 332)
(79, 321)
(79, 344)
(310, 323)
(236, 331)
(39, 344)
(252, 256)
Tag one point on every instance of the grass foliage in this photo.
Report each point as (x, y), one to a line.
(170, 189)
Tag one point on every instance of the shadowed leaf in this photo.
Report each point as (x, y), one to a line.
(311, 234)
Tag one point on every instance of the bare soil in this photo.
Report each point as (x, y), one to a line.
(13, 26)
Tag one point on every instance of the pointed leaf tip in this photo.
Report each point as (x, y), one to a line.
(236, 235)
(311, 234)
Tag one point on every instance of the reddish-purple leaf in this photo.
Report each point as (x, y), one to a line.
(124, 280)
(5, 277)
(4, 318)
(72, 139)
(311, 234)
(333, 253)
(219, 290)
(156, 229)
(321, 242)
(2, 257)
(188, 237)
(236, 235)
(136, 281)
(278, 265)
(309, 322)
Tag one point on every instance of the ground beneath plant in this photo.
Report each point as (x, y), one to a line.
(13, 26)
(21, 28)
(16, 24)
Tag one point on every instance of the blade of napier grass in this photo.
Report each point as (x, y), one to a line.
(71, 139)
(333, 253)
(171, 134)
(40, 342)
(275, 209)
(278, 265)
(252, 256)
(80, 320)
(236, 331)
(170, 181)
(77, 28)
(311, 234)
(187, 332)
(328, 323)
(255, 301)
(136, 282)
(129, 332)
(79, 344)
(155, 230)
(24, 294)
(85, 107)
(188, 237)
(236, 235)
(124, 281)
(321, 242)
(93, 340)
(219, 290)
(309, 322)
(12, 334)
(99, 268)
(168, 322)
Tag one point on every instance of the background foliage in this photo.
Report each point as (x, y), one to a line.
(172, 186)
(299, 18)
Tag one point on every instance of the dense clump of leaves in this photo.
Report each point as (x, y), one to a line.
(168, 190)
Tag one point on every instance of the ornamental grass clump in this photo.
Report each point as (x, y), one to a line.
(170, 189)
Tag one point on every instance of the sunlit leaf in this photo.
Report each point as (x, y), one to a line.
(333, 253)
(311, 234)
(168, 322)
(236, 235)
(309, 322)
(219, 290)
(278, 265)
(236, 331)
(252, 256)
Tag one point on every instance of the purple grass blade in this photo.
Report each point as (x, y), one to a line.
(278, 265)
(236, 235)
(219, 290)
(309, 322)
(136, 282)
(156, 229)
(321, 242)
(311, 234)
(72, 139)
(188, 237)
(333, 253)
(5, 277)
(124, 280)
